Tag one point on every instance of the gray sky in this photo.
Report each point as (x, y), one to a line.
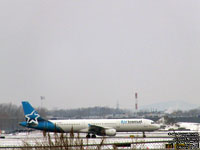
(94, 53)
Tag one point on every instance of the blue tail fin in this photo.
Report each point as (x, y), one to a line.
(33, 120)
(32, 116)
(28, 109)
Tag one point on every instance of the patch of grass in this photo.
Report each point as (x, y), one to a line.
(60, 141)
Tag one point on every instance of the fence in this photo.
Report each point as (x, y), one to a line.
(70, 142)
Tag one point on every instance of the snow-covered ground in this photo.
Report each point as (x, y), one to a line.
(161, 137)
(33, 137)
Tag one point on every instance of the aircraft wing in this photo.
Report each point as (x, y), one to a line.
(102, 131)
(95, 129)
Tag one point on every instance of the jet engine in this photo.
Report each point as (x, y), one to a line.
(110, 132)
(106, 132)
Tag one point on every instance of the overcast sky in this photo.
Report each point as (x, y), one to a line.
(94, 53)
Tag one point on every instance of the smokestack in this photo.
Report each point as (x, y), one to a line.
(136, 101)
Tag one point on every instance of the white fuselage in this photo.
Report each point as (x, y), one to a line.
(120, 125)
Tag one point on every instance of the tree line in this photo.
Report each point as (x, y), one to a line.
(79, 113)
(11, 115)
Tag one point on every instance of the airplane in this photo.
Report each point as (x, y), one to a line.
(92, 127)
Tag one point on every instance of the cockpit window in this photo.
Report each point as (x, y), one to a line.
(152, 122)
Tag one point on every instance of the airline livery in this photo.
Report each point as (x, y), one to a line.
(92, 127)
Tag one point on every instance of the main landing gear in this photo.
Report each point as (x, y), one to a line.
(93, 136)
(144, 136)
(88, 136)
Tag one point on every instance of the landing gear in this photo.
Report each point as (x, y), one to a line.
(93, 136)
(88, 136)
(144, 136)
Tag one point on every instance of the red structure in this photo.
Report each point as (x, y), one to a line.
(136, 102)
